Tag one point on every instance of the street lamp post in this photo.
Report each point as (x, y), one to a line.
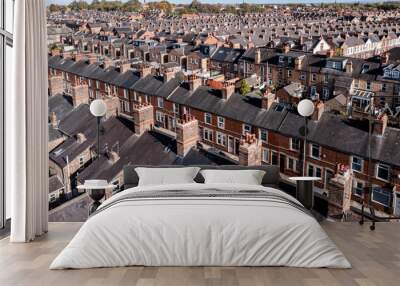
(98, 109)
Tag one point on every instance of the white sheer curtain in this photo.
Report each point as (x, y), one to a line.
(26, 124)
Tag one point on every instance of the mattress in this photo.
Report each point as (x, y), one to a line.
(201, 225)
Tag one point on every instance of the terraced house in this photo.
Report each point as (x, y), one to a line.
(252, 129)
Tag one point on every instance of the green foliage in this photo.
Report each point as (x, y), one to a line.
(244, 87)
(56, 8)
(78, 5)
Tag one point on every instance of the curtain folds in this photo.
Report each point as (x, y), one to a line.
(26, 124)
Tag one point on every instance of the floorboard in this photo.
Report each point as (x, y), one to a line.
(375, 257)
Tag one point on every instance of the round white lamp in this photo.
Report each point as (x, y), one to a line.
(98, 108)
(305, 107)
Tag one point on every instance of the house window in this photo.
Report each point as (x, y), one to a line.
(303, 76)
(292, 164)
(356, 164)
(274, 158)
(381, 196)
(368, 85)
(383, 172)
(126, 107)
(97, 84)
(289, 73)
(207, 134)
(160, 117)
(263, 135)
(221, 139)
(221, 122)
(313, 77)
(315, 151)
(208, 118)
(81, 160)
(358, 188)
(160, 102)
(313, 90)
(325, 93)
(326, 78)
(265, 155)
(175, 108)
(384, 87)
(125, 93)
(281, 59)
(295, 144)
(314, 171)
(246, 129)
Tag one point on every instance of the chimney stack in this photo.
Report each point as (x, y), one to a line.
(268, 98)
(194, 82)
(298, 62)
(168, 74)
(144, 71)
(56, 84)
(257, 56)
(53, 120)
(349, 67)
(250, 151)
(187, 134)
(380, 125)
(286, 48)
(80, 137)
(143, 117)
(227, 90)
(80, 95)
(319, 110)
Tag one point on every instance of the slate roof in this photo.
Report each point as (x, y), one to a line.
(61, 105)
(55, 184)
(229, 55)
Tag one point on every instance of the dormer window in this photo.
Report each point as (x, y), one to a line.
(281, 59)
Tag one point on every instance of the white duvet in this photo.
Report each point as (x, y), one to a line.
(203, 232)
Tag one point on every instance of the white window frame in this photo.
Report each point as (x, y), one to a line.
(265, 156)
(312, 145)
(208, 134)
(291, 144)
(377, 171)
(355, 188)
(208, 118)
(160, 102)
(125, 93)
(314, 173)
(361, 164)
(260, 133)
(221, 138)
(295, 163)
(160, 117)
(221, 122)
(245, 127)
(373, 199)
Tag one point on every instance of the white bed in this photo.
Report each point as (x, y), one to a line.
(204, 231)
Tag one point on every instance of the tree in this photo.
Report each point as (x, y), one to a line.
(132, 6)
(244, 87)
(78, 5)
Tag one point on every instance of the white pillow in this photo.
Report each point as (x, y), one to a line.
(246, 177)
(166, 176)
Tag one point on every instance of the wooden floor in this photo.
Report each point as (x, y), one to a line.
(375, 257)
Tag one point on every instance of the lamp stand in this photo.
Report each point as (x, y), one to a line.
(98, 135)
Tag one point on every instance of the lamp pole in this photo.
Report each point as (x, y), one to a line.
(305, 109)
(98, 108)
